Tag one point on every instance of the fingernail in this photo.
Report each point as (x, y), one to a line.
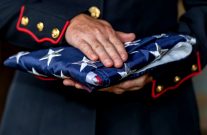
(78, 86)
(124, 57)
(94, 57)
(108, 63)
(118, 64)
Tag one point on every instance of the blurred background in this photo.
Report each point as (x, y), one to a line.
(200, 82)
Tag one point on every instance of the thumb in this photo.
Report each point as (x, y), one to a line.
(126, 37)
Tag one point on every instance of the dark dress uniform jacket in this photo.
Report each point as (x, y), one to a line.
(36, 107)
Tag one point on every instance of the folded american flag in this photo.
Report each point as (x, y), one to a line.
(145, 55)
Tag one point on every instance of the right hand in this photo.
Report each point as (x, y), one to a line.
(98, 40)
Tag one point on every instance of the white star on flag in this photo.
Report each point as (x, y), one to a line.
(34, 72)
(160, 36)
(127, 71)
(127, 44)
(85, 62)
(62, 76)
(159, 51)
(19, 55)
(133, 52)
(50, 55)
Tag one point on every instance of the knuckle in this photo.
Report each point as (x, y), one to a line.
(91, 38)
(108, 29)
(116, 57)
(71, 38)
(119, 47)
(80, 43)
(108, 46)
(88, 52)
(97, 31)
(115, 40)
(107, 23)
(112, 33)
(119, 44)
(81, 16)
(97, 46)
(103, 57)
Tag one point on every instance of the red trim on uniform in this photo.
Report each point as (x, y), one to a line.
(34, 36)
(45, 78)
(154, 95)
(54, 79)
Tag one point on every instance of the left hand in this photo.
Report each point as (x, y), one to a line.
(130, 85)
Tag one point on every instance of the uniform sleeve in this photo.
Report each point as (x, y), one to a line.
(193, 23)
(32, 23)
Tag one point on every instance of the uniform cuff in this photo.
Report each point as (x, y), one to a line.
(172, 76)
(41, 27)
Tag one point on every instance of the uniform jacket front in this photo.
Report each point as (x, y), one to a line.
(37, 107)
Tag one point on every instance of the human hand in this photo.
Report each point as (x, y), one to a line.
(130, 85)
(98, 40)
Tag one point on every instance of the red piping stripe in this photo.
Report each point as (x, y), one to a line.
(34, 36)
(53, 79)
(154, 95)
(45, 78)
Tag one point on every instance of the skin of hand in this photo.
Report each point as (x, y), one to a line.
(98, 40)
(130, 85)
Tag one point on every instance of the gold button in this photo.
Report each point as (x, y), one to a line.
(40, 26)
(95, 12)
(55, 33)
(194, 68)
(25, 21)
(177, 79)
(159, 88)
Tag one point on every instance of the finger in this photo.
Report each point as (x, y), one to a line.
(112, 52)
(88, 51)
(149, 79)
(126, 37)
(119, 47)
(105, 23)
(101, 52)
(134, 89)
(114, 90)
(139, 82)
(69, 82)
(114, 39)
(108, 89)
(118, 91)
(103, 39)
(79, 86)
